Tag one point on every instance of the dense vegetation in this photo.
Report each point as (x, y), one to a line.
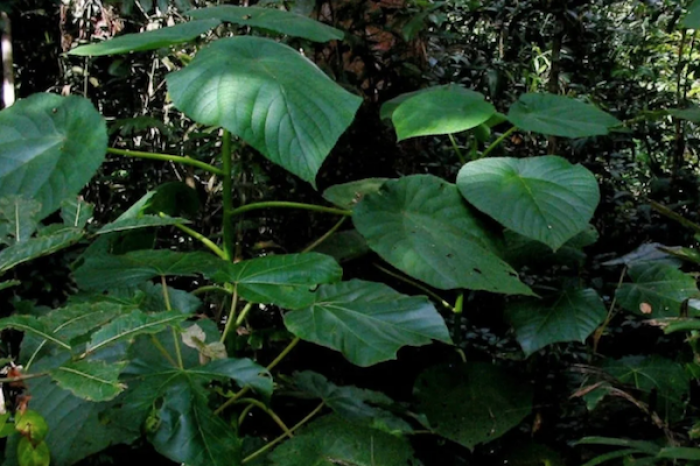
(350, 233)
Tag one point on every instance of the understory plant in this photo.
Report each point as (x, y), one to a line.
(130, 356)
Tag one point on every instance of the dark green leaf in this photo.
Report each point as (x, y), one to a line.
(544, 198)
(50, 147)
(352, 403)
(557, 115)
(276, 20)
(680, 453)
(90, 380)
(145, 221)
(269, 95)
(344, 246)
(367, 322)
(128, 326)
(20, 218)
(690, 113)
(459, 407)
(244, 372)
(647, 373)
(692, 19)
(346, 195)
(37, 247)
(523, 251)
(148, 40)
(662, 287)
(102, 272)
(646, 253)
(30, 324)
(331, 441)
(421, 226)
(285, 280)
(571, 316)
(439, 110)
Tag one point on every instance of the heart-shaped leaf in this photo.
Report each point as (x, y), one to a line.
(148, 40)
(420, 225)
(367, 322)
(285, 280)
(459, 408)
(50, 147)
(272, 19)
(266, 93)
(544, 198)
(570, 316)
(663, 288)
(437, 110)
(557, 115)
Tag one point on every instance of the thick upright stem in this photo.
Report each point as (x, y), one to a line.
(228, 196)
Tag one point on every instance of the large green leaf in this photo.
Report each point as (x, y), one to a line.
(557, 115)
(269, 95)
(344, 246)
(570, 316)
(352, 403)
(102, 272)
(367, 322)
(90, 380)
(147, 296)
(272, 19)
(420, 225)
(31, 325)
(473, 403)
(37, 247)
(439, 110)
(662, 287)
(654, 373)
(331, 441)
(148, 40)
(692, 19)
(544, 198)
(285, 280)
(50, 147)
(346, 195)
(190, 433)
(128, 326)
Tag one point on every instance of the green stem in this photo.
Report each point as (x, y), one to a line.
(268, 446)
(269, 412)
(178, 353)
(288, 205)
(166, 295)
(417, 285)
(162, 350)
(243, 414)
(244, 313)
(203, 239)
(228, 196)
(204, 289)
(611, 313)
(461, 158)
(231, 315)
(166, 158)
(327, 235)
(284, 353)
(23, 377)
(498, 141)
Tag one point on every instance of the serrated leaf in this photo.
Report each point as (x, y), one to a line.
(647, 373)
(268, 95)
(90, 380)
(352, 403)
(276, 20)
(30, 324)
(421, 226)
(285, 280)
(20, 218)
(75, 212)
(128, 326)
(439, 110)
(50, 147)
(570, 316)
(558, 115)
(146, 221)
(346, 195)
(367, 322)
(459, 408)
(331, 441)
(102, 272)
(544, 198)
(37, 247)
(148, 40)
(662, 287)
